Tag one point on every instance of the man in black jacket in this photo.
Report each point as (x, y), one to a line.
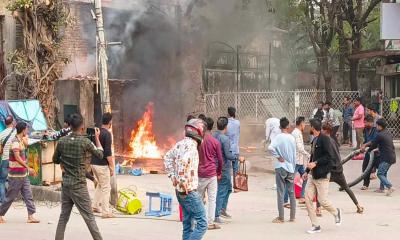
(384, 142)
(318, 174)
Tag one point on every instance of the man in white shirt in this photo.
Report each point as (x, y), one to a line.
(272, 128)
(302, 157)
(6, 136)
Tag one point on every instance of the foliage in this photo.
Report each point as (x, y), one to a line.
(19, 4)
(18, 61)
(39, 64)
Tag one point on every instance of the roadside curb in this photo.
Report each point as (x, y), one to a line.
(46, 194)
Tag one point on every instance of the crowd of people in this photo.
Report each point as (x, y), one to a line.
(201, 165)
(204, 164)
(323, 164)
(71, 151)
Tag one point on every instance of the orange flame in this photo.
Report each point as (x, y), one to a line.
(143, 142)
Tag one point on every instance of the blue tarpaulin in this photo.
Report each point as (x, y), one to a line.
(28, 111)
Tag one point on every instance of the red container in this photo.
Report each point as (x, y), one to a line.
(358, 157)
(180, 213)
(297, 186)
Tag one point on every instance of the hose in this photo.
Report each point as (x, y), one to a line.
(365, 173)
(350, 156)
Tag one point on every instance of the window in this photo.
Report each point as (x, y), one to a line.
(394, 86)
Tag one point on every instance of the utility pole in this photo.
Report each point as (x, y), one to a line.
(103, 81)
(102, 59)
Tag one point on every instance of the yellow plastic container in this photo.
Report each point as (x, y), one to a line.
(128, 202)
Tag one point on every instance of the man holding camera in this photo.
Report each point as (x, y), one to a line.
(103, 169)
(70, 153)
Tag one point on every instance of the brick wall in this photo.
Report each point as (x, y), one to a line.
(75, 44)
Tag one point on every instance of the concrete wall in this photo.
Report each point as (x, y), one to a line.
(9, 35)
(79, 93)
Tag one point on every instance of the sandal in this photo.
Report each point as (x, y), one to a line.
(213, 227)
(360, 210)
(318, 212)
(278, 220)
(286, 205)
(2, 221)
(96, 210)
(363, 188)
(379, 191)
(106, 216)
(33, 220)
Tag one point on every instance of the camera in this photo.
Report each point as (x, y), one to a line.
(90, 134)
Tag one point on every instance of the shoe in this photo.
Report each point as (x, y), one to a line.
(224, 214)
(214, 226)
(314, 229)
(364, 188)
(292, 220)
(338, 217)
(219, 220)
(2, 221)
(278, 220)
(389, 191)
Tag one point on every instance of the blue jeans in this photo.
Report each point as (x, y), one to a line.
(3, 179)
(301, 171)
(235, 165)
(193, 210)
(224, 190)
(382, 175)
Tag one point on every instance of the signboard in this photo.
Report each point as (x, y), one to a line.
(392, 45)
(390, 18)
(389, 69)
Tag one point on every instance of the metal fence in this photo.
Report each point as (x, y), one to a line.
(391, 112)
(256, 107)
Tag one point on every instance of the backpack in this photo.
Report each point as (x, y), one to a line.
(319, 115)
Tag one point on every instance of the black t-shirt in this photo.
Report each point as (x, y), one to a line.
(106, 142)
(384, 142)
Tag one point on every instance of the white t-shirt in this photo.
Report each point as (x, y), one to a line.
(272, 128)
(7, 146)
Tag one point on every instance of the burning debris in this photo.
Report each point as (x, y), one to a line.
(143, 142)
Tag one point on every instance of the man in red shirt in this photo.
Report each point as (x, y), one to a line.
(210, 168)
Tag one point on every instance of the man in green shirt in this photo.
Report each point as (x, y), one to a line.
(70, 154)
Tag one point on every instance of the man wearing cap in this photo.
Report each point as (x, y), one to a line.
(181, 165)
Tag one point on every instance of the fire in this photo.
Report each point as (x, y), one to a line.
(143, 142)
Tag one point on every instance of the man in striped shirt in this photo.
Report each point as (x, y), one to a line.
(5, 140)
(18, 181)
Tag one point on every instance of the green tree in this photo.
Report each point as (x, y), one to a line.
(320, 22)
(357, 15)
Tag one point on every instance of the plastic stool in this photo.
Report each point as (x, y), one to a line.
(165, 204)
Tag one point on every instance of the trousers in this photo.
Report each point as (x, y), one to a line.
(77, 195)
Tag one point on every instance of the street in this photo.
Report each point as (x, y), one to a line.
(252, 213)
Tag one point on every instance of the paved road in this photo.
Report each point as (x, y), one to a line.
(252, 212)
